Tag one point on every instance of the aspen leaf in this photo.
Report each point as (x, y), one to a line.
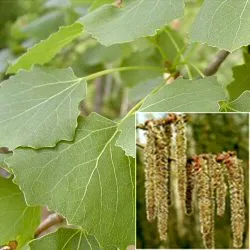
(111, 25)
(223, 24)
(40, 107)
(90, 181)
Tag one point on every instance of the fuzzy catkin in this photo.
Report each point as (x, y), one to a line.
(181, 154)
(221, 188)
(190, 187)
(205, 204)
(161, 178)
(149, 159)
(236, 190)
(169, 131)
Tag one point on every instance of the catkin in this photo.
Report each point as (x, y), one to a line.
(221, 188)
(236, 190)
(163, 138)
(169, 131)
(205, 204)
(181, 154)
(149, 159)
(190, 187)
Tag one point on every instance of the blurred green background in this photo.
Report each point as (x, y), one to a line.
(211, 133)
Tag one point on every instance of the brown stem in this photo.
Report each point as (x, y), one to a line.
(213, 67)
(51, 220)
(139, 145)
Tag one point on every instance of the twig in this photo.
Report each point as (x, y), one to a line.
(213, 67)
(139, 145)
(51, 220)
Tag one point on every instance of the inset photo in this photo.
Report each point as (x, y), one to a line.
(192, 180)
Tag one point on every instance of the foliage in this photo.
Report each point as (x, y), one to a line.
(131, 54)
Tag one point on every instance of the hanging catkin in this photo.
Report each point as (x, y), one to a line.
(205, 203)
(163, 138)
(236, 188)
(221, 187)
(181, 154)
(190, 187)
(149, 159)
(169, 131)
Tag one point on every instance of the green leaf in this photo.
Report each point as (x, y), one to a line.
(89, 181)
(141, 90)
(44, 51)
(66, 239)
(18, 221)
(126, 139)
(186, 95)
(223, 24)
(111, 25)
(242, 103)
(241, 81)
(141, 58)
(40, 107)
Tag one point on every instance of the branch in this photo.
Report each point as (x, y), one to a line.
(213, 67)
(139, 145)
(51, 220)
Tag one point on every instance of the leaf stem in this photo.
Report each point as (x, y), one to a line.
(180, 53)
(112, 70)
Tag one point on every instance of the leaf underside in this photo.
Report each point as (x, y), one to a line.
(40, 107)
(242, 103)
(223, 24)
(91, 173)
(186, 96)
(67, 239)
(126, 139)
(111, 25)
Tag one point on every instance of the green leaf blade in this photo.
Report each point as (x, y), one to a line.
(186, 96)
(241, 81)
(44, 51)
(242, 103)
(67, 239)
(18, 221)
(92, 173)
(112, 25)
(40, 107)
(223, 24)
(126, 139)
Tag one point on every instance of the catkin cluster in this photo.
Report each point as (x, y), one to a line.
(159, 152)
(209, 175)
(210, 172)
(235, 176)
